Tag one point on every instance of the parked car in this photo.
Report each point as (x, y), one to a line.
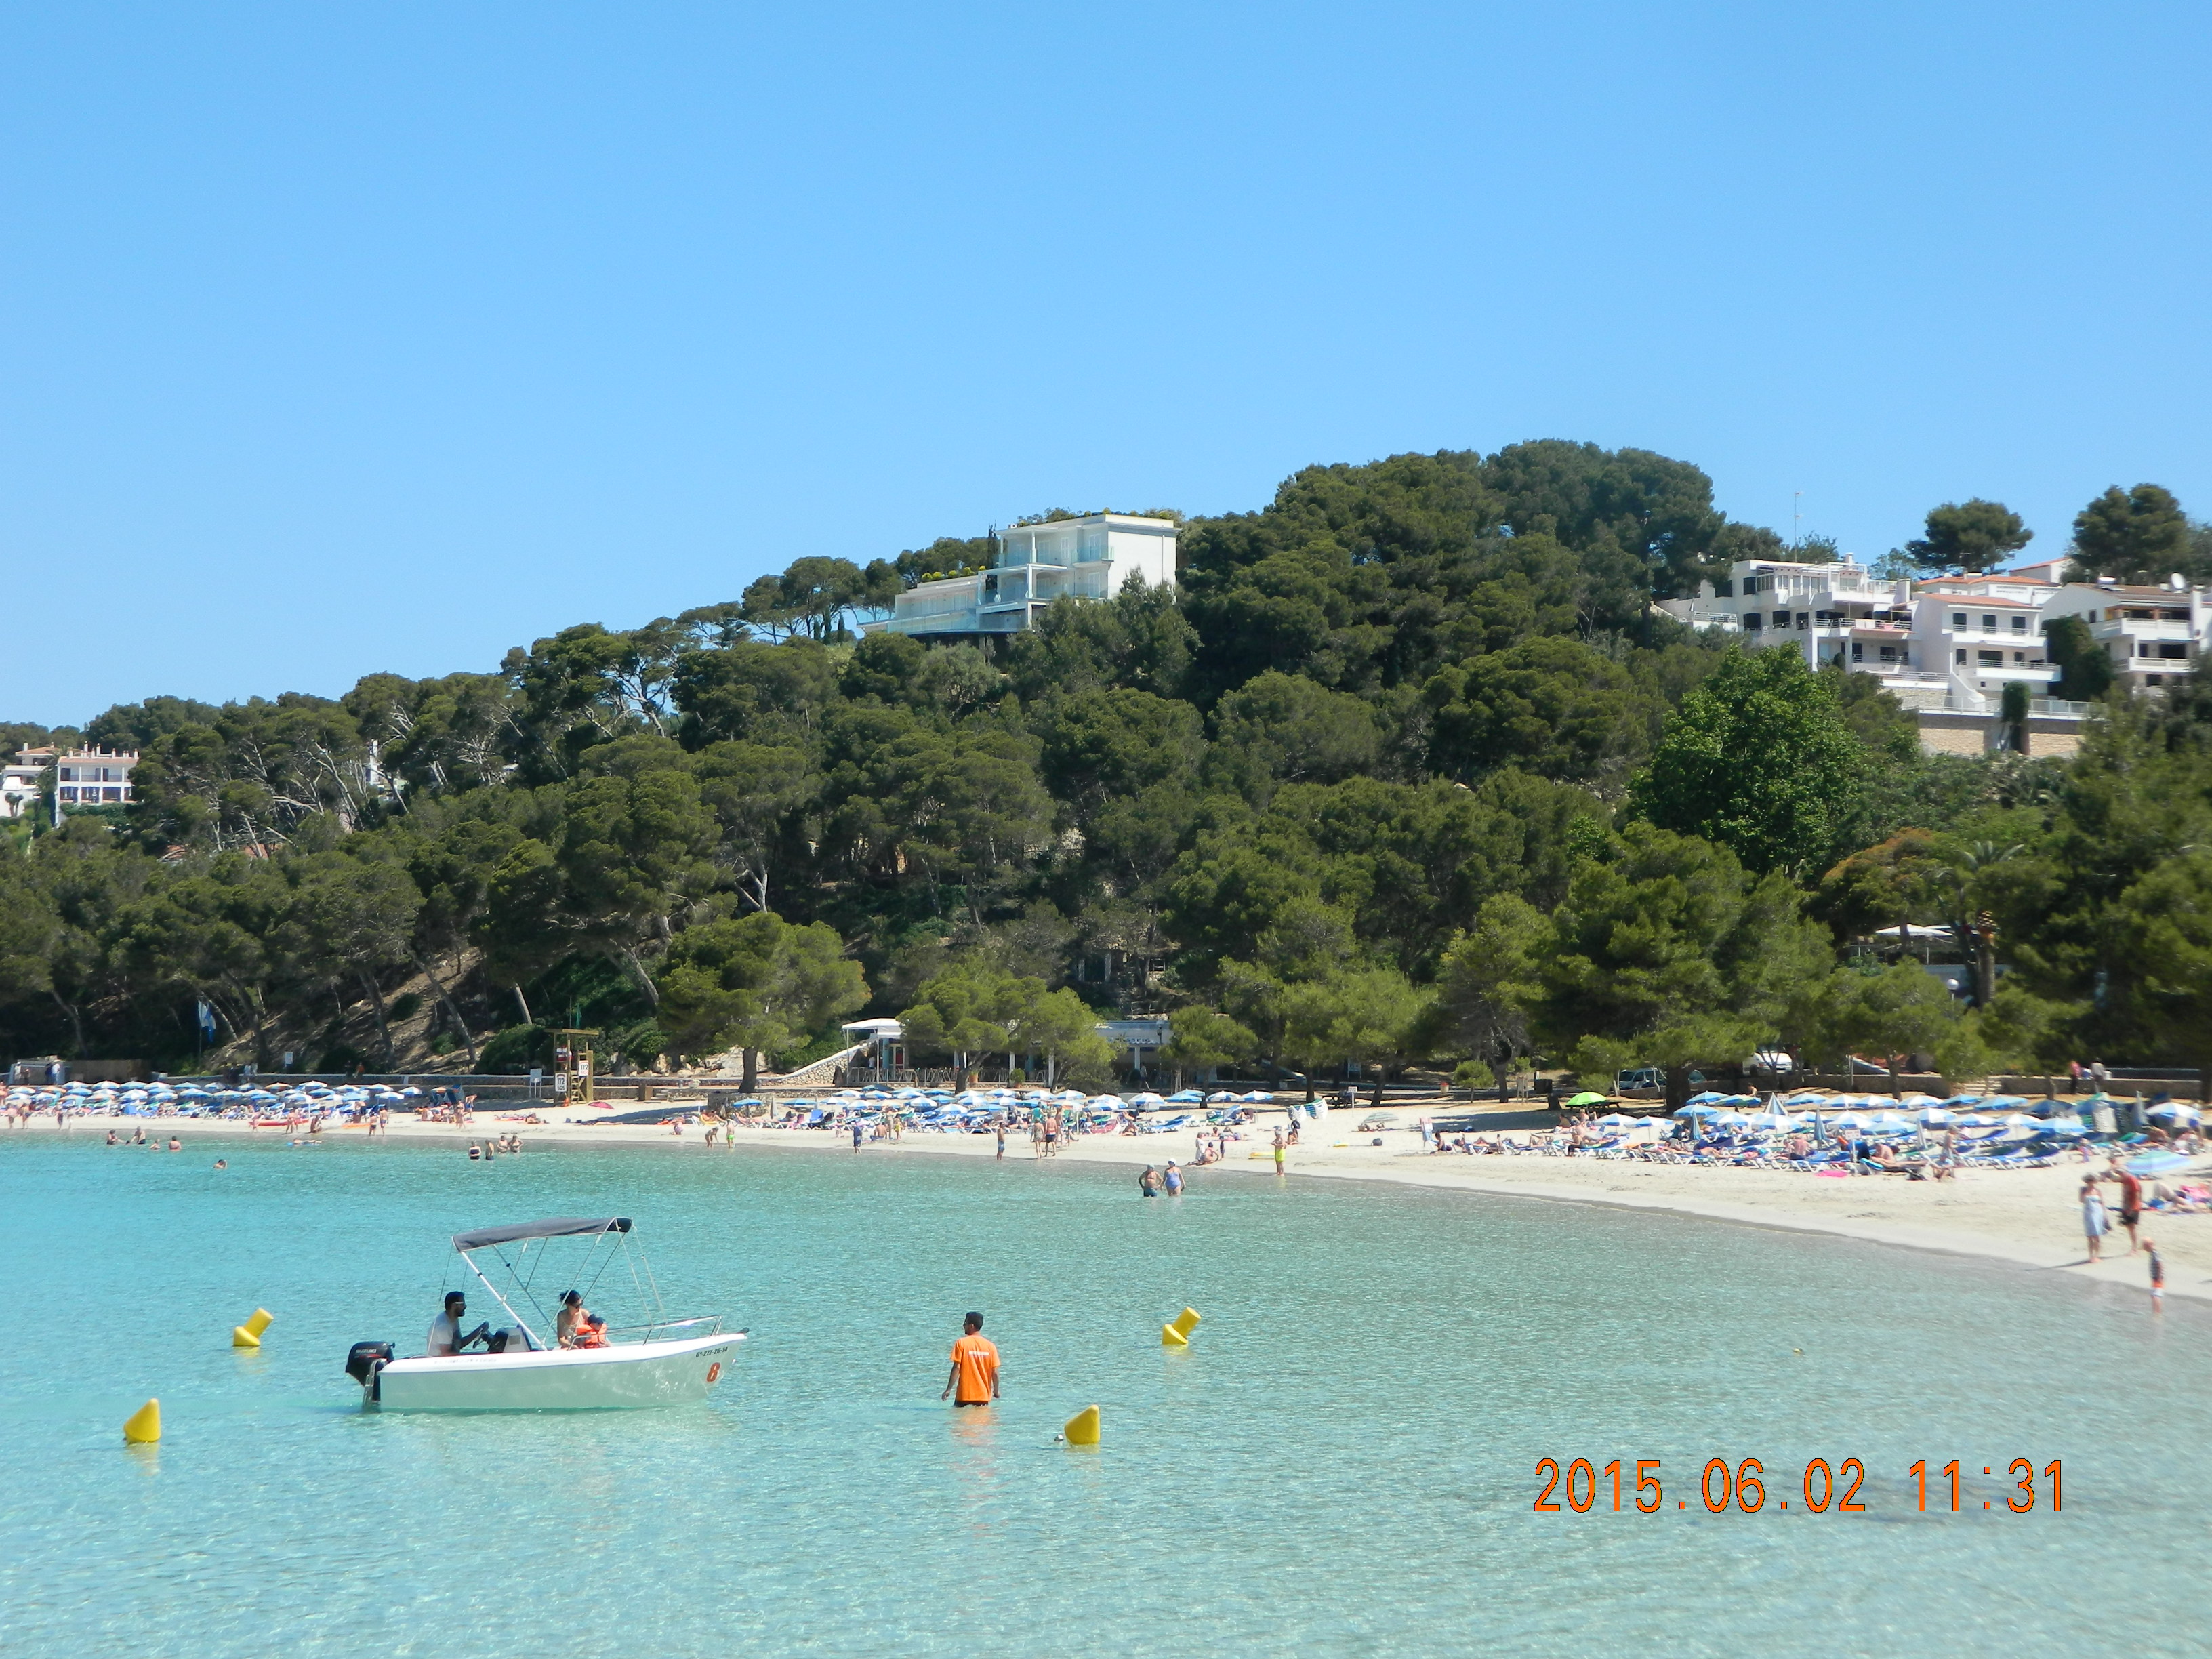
(1644, 1077)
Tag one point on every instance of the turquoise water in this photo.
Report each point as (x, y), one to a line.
(1341, 1464)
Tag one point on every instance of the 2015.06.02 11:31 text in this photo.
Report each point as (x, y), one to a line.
(1825, 1487)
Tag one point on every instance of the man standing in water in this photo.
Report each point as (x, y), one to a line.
(974, 1366)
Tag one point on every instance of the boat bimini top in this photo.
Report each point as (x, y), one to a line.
(522, 1265)
(559, 1227)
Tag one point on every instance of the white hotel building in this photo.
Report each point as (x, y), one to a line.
(82, 777)
(1947, 647)
(1089, 557)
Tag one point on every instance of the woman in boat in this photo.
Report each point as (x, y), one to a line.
(573, 1325)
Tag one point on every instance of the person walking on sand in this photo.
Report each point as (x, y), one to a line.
(2157, 1276)
(2094, 1222)
(974, 1366)
(2130, 1200)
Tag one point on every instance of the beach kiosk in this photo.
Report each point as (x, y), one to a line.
(881, 1046)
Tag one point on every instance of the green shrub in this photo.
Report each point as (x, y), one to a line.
(516, 1050)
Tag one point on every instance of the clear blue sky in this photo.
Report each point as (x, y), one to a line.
(347, 338)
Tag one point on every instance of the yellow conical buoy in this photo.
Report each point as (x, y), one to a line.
(248, 1336)
(143, 1426)
(1176, 1333)
(1082, 1429)
(1172, 1338)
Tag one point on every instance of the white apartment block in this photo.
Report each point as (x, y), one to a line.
(1090, 558)
(94, 777)
(2152, 634)
(19, 781)
(1947, 647)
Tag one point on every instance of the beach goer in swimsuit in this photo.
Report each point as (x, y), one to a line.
(1173, 1180)
(2092, 1217)
(1278, 1151)
(1000, 1129)
(974, 1366)
(2131, 1201)
(2157, 1278)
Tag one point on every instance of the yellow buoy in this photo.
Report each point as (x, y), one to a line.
(248, 1336)
(143, 1426)
(1172, 1338)
(1184, 1323)
(1082, 1429)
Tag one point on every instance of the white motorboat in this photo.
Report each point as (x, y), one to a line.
(662, 1363)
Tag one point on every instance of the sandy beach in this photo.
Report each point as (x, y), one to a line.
(2028, 1216)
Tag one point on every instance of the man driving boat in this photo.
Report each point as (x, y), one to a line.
(446, 1340)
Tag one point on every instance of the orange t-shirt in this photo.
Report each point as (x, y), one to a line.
(977, 1362)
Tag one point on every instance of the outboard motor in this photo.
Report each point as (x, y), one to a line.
(364, 1360)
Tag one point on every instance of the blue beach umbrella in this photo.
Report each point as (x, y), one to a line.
(2157, 1163)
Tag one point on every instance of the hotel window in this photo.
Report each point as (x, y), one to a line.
(1782, 619)
(1751, 622)
(1858, 651)
(1959, 656)
(111, 793)
(2171, 650)
(1802, 619)
(66, 792)
(2019, 658)
(2020, 624)
(1989, 623)
(1990, 658)
(1958, 619)
(1889, 653)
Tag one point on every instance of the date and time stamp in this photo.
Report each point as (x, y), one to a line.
(1746, 1486)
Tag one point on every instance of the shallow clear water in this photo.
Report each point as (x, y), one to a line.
(1341, 1464)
